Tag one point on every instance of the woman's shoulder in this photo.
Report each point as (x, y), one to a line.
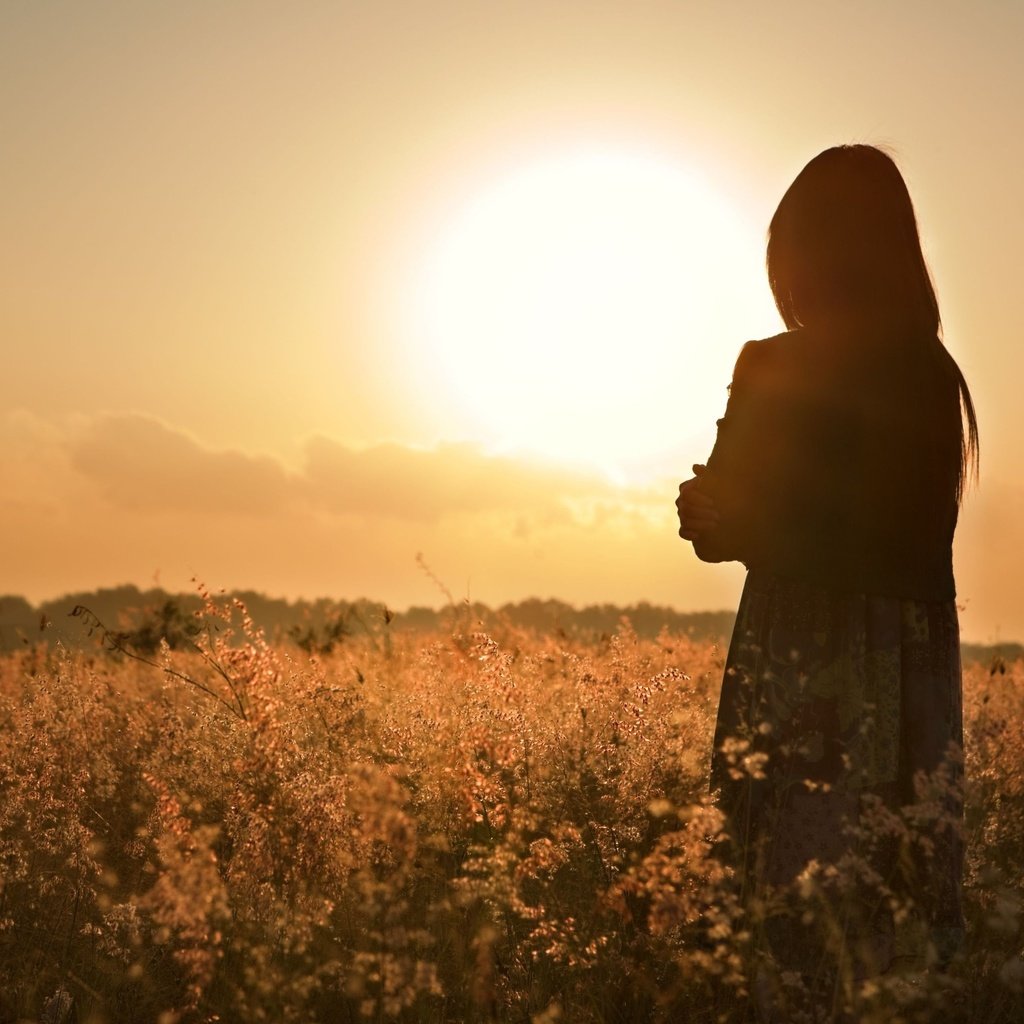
(807, 359)
(770, 360)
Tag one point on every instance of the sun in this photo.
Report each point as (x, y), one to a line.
(588, 307)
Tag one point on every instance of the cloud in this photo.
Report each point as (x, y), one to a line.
(141, 464)
(426, 485)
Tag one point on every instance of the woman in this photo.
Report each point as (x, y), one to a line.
(836, 477)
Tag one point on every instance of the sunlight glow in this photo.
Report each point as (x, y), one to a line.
(590, 307)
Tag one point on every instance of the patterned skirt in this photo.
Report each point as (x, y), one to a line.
(837, 761)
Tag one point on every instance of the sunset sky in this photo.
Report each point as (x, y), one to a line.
(291, 292)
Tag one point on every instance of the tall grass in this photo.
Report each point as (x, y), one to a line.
(452, 827)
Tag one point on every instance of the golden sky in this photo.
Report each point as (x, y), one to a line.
(263, 267)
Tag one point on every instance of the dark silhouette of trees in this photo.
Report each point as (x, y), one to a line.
(143, 619)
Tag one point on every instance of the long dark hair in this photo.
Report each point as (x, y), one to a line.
(843, 247)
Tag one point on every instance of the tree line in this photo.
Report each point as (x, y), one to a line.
(144, 619)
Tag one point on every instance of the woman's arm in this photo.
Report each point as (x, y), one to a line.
(697, 512)
(699, 520)
(734, 482)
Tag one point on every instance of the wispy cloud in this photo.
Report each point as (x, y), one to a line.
(138, 463)
(141, 464)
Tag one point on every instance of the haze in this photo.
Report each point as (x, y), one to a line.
(215, 219)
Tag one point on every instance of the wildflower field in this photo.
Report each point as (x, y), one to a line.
(453, 826)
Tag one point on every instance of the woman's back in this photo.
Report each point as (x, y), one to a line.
(837, 462)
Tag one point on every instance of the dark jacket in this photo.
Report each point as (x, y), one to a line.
(836, 462)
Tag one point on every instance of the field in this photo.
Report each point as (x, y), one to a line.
(452, 826)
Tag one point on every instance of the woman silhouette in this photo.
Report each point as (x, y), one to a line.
(836, 478)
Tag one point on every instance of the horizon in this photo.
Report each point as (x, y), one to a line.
(313, 599)
(434, 608)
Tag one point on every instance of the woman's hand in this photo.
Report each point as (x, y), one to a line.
(697, 512)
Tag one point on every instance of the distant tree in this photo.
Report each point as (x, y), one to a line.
(322, 638)
(20, 623)
(169, 623)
